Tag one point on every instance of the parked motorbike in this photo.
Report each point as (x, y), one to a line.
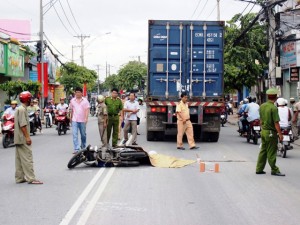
(120, 156)
(285, 144)
(61, 122)
(253, 131)
(223, 117)
(8, 127)
(32, 122)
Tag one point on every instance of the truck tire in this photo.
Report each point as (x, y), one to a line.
(150, 136)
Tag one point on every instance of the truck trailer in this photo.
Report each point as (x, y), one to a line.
(185, 56)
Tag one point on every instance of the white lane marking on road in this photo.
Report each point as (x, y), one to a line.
(68, 217)
(87, 212)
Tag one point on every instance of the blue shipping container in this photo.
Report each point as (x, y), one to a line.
(181, 59)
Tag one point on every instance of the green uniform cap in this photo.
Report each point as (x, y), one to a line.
(272, 91)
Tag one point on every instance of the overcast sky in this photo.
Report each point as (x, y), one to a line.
(126, 21)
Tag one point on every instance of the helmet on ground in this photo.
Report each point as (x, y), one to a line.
(281, 101)
(100, 98)
(14, 102)
(25, 96)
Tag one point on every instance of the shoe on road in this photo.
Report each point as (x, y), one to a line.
(195, 147)
(134, 143)
(181, 148)
(261, 172)
(278, 174)
(124, 141)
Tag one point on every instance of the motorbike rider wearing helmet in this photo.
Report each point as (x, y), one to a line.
(62, 106)
(102, 119)
(284, 113)
(242, 121)
(11, 110)
(252, 110)
(23, 160)
(35, 109)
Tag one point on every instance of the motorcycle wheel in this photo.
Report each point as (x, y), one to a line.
(59, 128)
(255, 139)
(78, 158)
(283, 151)
(248, 137)
(5, 141)
(47, 122)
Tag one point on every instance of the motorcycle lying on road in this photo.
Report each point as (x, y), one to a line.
(253, 131)
(119, 156)
(285, 144)
(8, 127)
(61, 122)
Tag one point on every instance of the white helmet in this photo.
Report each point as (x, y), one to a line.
(281, 101)
(245, 100)
(100, 98)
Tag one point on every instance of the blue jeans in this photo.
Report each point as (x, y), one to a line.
(82, 129)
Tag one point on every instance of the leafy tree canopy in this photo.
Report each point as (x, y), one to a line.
(14, 87)
(241, 61)
(73, 75)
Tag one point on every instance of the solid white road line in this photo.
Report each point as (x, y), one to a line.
(87, 212)
(70, 214)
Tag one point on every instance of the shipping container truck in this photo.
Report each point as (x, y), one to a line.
(185, 56)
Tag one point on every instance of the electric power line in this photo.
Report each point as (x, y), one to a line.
(196, 8)
(62, 21)
(67, 17)
(73, 16)
(202, 9)
(14, 32)
(55, 47)
(212, 11)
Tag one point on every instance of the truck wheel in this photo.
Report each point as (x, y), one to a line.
(213, 136)
(150, 136)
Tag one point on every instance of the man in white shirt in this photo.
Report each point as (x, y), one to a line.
(131, 108)
(62, 106)
(253, 110)
(284, 113)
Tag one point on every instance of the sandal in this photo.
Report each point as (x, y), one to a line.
(36, 182)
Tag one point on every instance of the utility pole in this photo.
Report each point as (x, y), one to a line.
(272, 45)
(74, 46)
(98, 81)
(218, 9)
(42, 53)
(82, 37)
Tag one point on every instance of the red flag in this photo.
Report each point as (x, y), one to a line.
(84, 90)
(45, 84)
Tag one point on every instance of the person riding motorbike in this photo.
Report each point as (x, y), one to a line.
(62, 106)
(34, 108)
(252, 110)
(11, 110)
(50, 107)
(243, 121)
(284, 113)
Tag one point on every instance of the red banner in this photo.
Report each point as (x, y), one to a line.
(84, 90)
(45, 84)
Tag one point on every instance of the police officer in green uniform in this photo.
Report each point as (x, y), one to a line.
(114, 106)
(269, 135)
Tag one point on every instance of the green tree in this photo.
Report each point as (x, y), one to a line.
(112, 81)
(14, 87)
(73, 76)
(240, 67)
(131, 75)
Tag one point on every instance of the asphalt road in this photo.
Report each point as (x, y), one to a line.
(148, 195)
